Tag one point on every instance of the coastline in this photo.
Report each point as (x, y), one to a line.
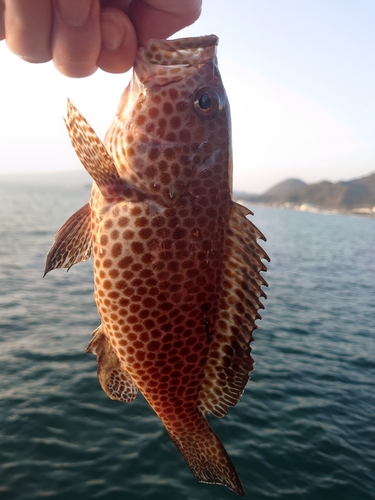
(310, 208)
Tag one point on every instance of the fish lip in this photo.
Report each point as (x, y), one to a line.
(191, 51)
(193, 42)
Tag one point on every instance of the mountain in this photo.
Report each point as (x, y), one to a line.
(341, 196)
(284, 188)
(273, 195)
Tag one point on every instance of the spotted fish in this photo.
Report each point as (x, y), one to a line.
(176, 262)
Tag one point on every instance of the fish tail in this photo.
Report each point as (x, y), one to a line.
(206, 456)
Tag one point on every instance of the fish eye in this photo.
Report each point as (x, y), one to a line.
(207, 103)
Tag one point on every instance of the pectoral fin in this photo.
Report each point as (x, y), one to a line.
(72, 243)
(113, 378)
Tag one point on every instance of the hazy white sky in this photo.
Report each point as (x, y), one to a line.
(300, 75)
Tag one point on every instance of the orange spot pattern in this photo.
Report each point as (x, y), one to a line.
(176, 263)
(160, 286)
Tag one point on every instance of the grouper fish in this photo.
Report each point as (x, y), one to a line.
(177, 264)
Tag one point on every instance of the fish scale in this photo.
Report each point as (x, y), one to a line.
(176, 262)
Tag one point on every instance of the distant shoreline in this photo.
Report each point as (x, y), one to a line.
(280, 196)
(72, 178)
(355, 197)
(305, 207)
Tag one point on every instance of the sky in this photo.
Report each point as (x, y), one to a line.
(300, 77)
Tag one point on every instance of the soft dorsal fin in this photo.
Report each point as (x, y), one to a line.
(113, 378)
(229, 361)
(72, 243)
(93, 154)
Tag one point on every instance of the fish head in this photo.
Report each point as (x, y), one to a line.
(173, 119)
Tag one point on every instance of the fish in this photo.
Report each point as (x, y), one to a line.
(177, 263)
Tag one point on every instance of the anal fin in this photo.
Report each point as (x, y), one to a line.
(72, 243)
(113, 378)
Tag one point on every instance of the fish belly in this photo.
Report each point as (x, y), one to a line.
(156, 288)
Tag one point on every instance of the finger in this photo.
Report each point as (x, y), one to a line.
(119, 41)
(2, 27)
(28, 29)
(162, 18)
(76, 36)
(117, 4)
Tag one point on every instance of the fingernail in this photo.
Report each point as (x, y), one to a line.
(74, 12)
(113, 31)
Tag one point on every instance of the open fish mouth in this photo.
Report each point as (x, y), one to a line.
(181, 51)
(167, 61)
(192, 51)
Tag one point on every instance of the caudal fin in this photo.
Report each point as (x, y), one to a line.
(207, 458)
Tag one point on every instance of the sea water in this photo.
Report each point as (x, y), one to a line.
(304, 428)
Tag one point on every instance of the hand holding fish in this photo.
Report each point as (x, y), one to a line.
(81, 36)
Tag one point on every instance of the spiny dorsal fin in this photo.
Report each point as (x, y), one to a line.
(72, 243)
(229, 361)
(113, 378)
(93, 155)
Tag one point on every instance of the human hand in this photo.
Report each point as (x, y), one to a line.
(81, 35)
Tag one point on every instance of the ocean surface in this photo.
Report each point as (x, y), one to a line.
(304, 428)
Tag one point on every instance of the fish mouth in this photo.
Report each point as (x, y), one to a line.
(190, 51)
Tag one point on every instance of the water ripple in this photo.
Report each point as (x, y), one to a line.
(303, 429)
